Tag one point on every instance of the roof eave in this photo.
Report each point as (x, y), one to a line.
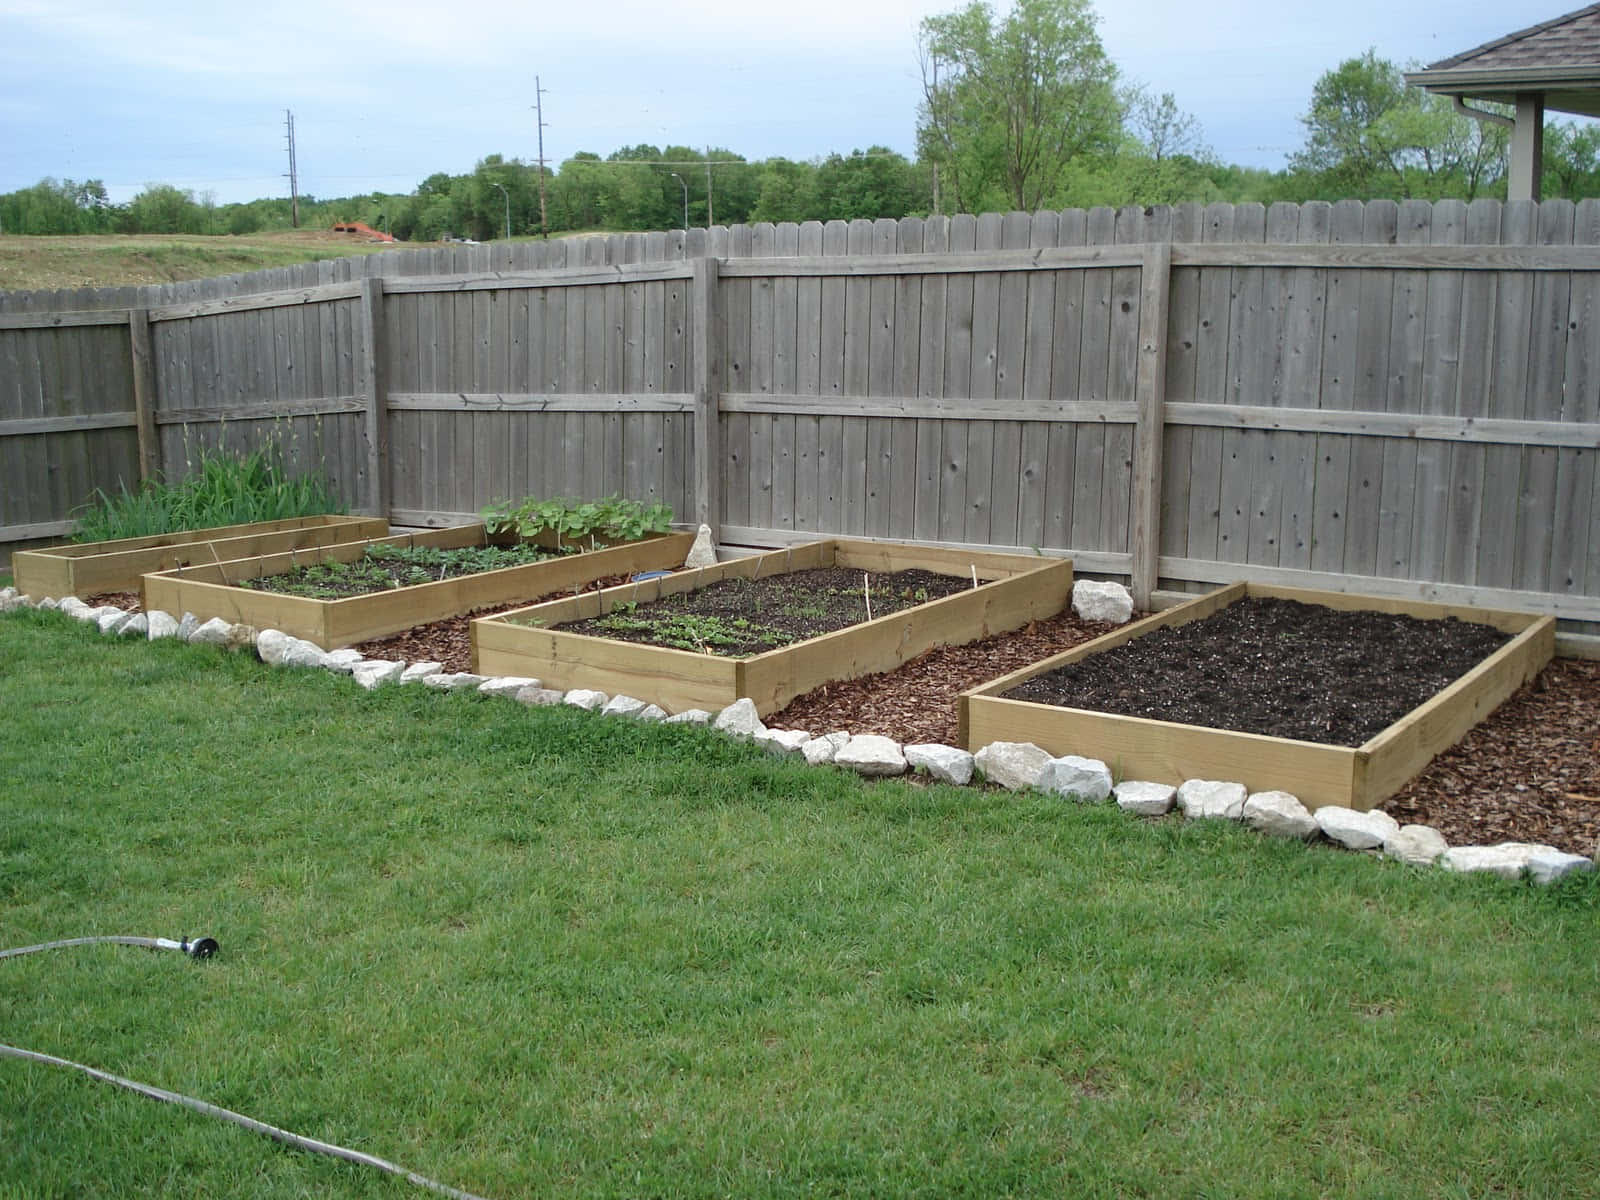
(1506, 81)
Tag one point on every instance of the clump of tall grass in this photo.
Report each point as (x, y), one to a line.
(220, 489)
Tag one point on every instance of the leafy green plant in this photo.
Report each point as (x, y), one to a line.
(384, 567)
(610, 519)
(221, 489)
(705, 633)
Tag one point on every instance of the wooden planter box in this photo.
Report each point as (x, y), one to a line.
(89, 568)
(207, 589)
(1354, 777)
(1021, 588)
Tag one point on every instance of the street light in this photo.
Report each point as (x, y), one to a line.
(685, 188)
(507, 195)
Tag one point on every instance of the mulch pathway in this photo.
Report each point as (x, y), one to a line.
(1529, 773)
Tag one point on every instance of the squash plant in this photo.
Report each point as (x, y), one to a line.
(610, 519)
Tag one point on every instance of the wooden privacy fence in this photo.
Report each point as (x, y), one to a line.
(1393, 398)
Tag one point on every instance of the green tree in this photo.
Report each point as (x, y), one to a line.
(1571, 160)
(1368, 134)
(162, 208)
(1008, 103)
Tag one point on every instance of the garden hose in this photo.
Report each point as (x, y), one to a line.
(202, 948)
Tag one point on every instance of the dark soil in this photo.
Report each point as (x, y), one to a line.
(738, 617)
(1275, 667)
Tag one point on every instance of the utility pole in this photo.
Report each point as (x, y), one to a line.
(294, 175)
(538, 108)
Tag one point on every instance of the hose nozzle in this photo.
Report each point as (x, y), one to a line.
(199, 948)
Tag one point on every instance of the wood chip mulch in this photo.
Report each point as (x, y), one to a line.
(1529, 773)
(917, 703)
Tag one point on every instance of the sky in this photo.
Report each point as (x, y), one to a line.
(134, 92)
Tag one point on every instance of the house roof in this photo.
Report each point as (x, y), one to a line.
(1559, 58)
(1561, 42)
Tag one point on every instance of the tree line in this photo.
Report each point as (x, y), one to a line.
(1020, 110)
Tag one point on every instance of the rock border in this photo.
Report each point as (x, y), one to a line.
(1016, 766)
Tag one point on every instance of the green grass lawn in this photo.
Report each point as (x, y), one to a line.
(538, 952)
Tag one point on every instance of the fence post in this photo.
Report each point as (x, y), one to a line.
(375, 375)
(144, 393)
(707, 314)
(1150, 387)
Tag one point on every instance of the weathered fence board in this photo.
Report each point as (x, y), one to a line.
(1401, 392)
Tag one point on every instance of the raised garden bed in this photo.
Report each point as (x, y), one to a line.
(88, 568)
(1012, 590)
(214, 589)
(1357, 775)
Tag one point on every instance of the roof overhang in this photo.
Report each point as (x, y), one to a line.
(1572, 89)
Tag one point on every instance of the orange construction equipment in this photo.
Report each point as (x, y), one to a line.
(363, 228)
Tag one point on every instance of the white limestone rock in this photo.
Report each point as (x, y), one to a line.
(417, 672)
(453, 681)
(782, 741)
(871, 755)
(48, 604)
(342, 662)
(301, 653)
(651, 712)
(622, 706)
(1547, 864)
(1356, 830)
(187, 624)
(1279, 814)
(1144, 798)
(1416, 845)
(1084, 779)
(137, 625)
(703, 553)
(162, 625)
(585, 698)
(689, 716)
(540, 697)
(1093, 600)
(945, 763)
(1212, 799)
(375, 672)
(110, 618)
(272, 646)
(818, 751)
(73, 607)
(739, 720)
(215, 632)
(1507, 860)
(1012, 765)
(8, 592)
(507, 686)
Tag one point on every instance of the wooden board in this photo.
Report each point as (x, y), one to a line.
(210, 590)
(1012, 590)
(88, 568)
(1357, 777)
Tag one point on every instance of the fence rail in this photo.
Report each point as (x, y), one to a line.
(1398, 398)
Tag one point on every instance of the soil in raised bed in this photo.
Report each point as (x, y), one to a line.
(385, 568)
(738, 617)
(1275, 667)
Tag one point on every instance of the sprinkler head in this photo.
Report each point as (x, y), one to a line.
(199, 948)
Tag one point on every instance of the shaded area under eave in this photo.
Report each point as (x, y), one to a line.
(1553, 65)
